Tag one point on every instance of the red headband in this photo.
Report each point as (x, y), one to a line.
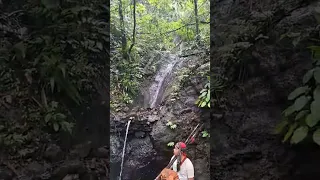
(181, 145)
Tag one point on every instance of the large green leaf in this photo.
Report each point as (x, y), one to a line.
(279, 128)
(307, 76)
(290, 131)
(203, 104)
(315, 108)
(203, 94)
(56, 127)
(302, 114)
(316, 136)
(297, 92)
(299, 134)
(311, 120)
(208, 97)
(47, 117)
(287, 112)
(316, 93)
(300, 103)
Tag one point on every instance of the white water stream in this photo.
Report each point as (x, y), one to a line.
(124, 148)
(159, 85)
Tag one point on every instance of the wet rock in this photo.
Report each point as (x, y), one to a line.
(141, 154)
(141, 149)
(126, 109)
(6, 173)
(101, 152)
(190, 101)
(115, 149)
(82, 150)
(153, 118)
(104, 178)
(68, 167)
(201, 169)
(27, 152)
(53, 153)
(184, 111)
(89, 176)
(140, 134)
(35, 168)
(71, 177)
(162, 134)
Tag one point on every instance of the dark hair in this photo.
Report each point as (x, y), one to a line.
(179, 157)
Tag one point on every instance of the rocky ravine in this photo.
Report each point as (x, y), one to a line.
(148, 136)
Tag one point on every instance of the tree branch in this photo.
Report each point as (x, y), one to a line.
(191, 24)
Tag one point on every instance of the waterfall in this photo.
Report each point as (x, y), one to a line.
(162, 79)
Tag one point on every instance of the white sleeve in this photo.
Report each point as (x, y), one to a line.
(190, 169)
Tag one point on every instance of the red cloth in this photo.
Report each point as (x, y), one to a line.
(182, 145)
(192, 140)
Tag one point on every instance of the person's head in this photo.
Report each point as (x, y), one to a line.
(178, 148)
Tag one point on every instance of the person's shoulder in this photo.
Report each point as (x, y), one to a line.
(188, 161)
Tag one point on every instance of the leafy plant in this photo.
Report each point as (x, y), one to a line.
(56, 56)
(205, 134)
(303, 116)
(204, 98)
(170, 144)
(171, 125)
(56, 119)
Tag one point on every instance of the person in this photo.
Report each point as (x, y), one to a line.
(183, 165)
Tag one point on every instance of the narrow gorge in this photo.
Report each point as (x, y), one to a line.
(147, 151)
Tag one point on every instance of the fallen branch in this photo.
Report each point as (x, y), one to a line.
(192, 54)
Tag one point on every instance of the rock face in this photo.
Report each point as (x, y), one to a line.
(147, 152)
(244, 144)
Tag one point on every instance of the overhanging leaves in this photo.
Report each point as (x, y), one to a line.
(299, 134)
(297, 92)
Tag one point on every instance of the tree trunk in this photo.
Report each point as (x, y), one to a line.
(123, 33)
(197, 20)
(134, 27)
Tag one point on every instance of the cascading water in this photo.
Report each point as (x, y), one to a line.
(147, 167)
(124, 148)
(162, 78)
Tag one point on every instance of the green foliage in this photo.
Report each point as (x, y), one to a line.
(171, 125)
(53, 51)
(204, 98)
(161, 25)
(170, 144)
(205, 134)
(303, 116)
(57, 120)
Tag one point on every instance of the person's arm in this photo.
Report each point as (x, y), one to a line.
(190, 170)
